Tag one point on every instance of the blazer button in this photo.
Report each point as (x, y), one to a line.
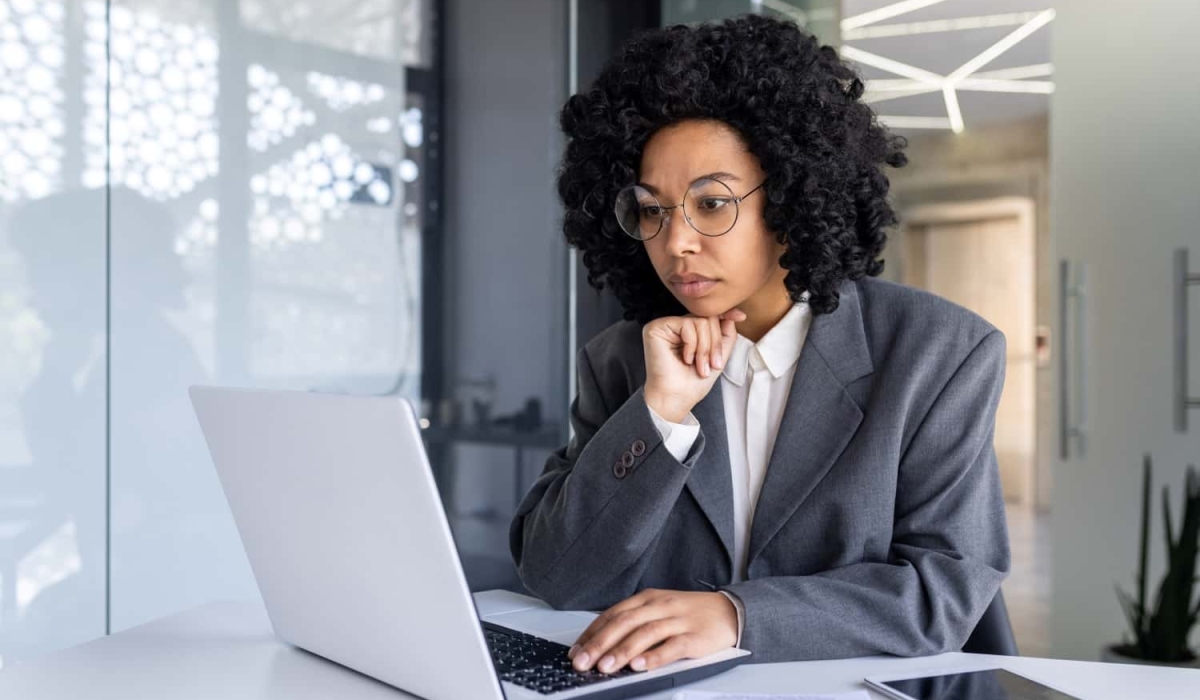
(627, 459)
(638, 448)
(619, 470)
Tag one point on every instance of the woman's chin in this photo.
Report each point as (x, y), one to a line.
(706, 306)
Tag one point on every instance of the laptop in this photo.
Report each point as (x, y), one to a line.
(337, 509)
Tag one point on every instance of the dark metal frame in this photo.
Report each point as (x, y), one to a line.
(737, 210)
(429, 83)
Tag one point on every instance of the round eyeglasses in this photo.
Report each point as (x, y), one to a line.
(708, 205)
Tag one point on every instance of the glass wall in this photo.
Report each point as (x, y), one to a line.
(53, 341)
(202, 192)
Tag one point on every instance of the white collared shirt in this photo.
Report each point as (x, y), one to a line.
(756, 380)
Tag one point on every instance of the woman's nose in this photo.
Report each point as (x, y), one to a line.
(681, 238)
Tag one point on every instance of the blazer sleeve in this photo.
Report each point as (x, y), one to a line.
(949, 549)
(582, 536)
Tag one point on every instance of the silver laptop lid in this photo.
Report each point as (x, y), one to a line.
(343, 526)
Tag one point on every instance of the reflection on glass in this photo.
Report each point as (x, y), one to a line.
(276, 112)
(52, 417)
(293, 263)
(342, 93)
(31, 101)
(308, 237)
(388, 29)
(52, 561)
(322, 205)
(161, 111)
(172, 546)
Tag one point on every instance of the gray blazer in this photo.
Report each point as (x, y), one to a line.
(880, 526)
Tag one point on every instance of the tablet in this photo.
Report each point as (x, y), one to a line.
(965, 684)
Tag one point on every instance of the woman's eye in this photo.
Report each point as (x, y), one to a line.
(710, 204)
(651, 212)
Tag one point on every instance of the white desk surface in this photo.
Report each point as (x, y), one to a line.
(227, 651)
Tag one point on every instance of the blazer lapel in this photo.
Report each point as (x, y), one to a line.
(819, 417)
(710, 482)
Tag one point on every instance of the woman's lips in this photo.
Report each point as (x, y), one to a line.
(692, 285)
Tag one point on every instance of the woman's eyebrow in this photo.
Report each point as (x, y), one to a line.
(719, 175)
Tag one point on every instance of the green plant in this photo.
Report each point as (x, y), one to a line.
(1161, 634)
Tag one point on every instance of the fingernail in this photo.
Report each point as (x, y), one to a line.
(606, 663)
(581, 662)
(573, 650)
(638, 664)
(719, 361)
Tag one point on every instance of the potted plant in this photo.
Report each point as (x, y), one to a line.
(1160, 632)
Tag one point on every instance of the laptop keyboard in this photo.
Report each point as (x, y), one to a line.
(538, 664)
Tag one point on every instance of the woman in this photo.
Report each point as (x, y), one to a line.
(775, 450)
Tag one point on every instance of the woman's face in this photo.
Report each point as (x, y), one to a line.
(711, 275)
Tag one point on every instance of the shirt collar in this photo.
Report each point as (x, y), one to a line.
(779, 348)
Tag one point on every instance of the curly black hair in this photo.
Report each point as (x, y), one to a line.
(796, 105)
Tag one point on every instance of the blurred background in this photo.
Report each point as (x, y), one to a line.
(358, 196)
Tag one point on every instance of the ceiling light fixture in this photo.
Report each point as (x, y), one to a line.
(957, 24)
(885, 12)
(965, 77)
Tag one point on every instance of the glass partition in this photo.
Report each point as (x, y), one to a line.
(223, 192)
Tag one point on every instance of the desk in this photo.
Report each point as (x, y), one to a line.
(226, 651)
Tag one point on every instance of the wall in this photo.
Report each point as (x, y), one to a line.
(1124, 149)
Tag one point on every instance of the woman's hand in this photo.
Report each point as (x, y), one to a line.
(683, 625)
(684, 357)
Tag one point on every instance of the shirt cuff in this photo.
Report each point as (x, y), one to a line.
(741, 613)
(677, 437)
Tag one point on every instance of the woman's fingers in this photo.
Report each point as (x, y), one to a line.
(704, 346)
(635, 601)
(688, 335)
(707, 341)
(724, 332)
(674, 649)
(662, 627)
(718, 351)
(728, 337)
(639, 641)
(598, 647)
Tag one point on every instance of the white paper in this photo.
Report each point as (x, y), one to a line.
(709, 695)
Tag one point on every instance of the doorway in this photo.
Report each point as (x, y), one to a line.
(980, 255)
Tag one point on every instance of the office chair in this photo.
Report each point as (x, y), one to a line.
(993, 633)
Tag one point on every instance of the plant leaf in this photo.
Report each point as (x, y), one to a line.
(1134, 614)
(1143, 546)
(1170, 534)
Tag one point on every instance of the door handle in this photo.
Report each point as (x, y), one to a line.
(1182, 400)
(1073, 394)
